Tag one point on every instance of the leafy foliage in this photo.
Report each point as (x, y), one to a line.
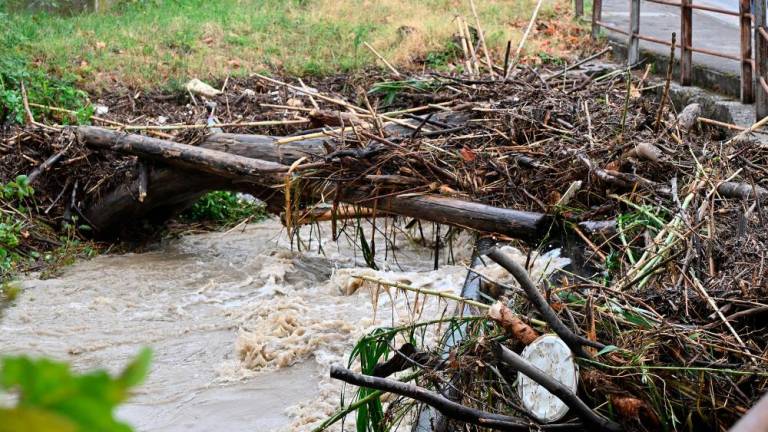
(41, 89)
(17, 189)
(225, 208)
(52, 398)
(11, 225)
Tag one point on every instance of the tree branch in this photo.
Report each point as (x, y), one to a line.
(447, 407)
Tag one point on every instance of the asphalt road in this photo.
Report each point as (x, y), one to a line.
(711, 30)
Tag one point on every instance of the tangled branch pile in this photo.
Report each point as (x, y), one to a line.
(666, 302)
(677, 290)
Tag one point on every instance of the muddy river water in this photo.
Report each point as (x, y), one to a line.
(243, 326)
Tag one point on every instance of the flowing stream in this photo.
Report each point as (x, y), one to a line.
(242, 326)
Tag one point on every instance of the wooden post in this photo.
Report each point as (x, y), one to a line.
(761, 60)
(597, 16)
(745, 24)
(579, 8)
(633, 42)
(686, 41)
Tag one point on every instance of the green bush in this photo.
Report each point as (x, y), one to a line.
(224, 208)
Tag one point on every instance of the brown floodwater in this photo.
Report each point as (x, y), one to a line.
(243, 326)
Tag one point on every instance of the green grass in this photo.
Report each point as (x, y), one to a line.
(165, 42)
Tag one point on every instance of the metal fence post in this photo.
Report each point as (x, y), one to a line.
(633, 43)
(686, 41)
(745, 23)
(597, 16)
(761, 60)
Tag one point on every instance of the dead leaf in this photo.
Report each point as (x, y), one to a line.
(468, 154)
(635, 409)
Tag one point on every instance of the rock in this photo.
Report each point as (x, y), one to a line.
(195, 86)
(99, 109)
(688, 116)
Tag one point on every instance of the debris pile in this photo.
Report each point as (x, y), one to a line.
(663, 307)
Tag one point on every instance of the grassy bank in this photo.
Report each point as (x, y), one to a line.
(151, 43)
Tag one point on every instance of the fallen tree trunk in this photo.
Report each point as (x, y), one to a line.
(184, 156)
(169, 190)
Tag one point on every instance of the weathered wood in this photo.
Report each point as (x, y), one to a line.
(171, 190)
(686, 41)
(184, 156)
(446, 406)
(180, 188)
(633, 42)
(143, 181)
(597, 16)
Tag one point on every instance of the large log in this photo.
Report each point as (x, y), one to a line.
(226, 168)
(171, 190)
(185, 156)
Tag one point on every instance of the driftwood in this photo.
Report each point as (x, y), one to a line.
(169, 190)
(184, 156)
(446, 406)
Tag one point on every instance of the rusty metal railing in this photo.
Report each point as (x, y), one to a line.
(761, 60)
(746, 18)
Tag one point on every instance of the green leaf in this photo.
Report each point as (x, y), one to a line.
(607, 349)
(136, 371)
(34, 420)
(87, 401)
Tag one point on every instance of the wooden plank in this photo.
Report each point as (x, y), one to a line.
(745, 25)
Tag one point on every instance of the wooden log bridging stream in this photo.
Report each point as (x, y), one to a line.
(255, 163)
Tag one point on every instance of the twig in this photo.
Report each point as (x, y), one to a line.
(25, 102)
(522, 41)
(488, 61)
(446, 295)
(665, 94)
(380, 57)
(215, 125)
(577, 64)
(464, 46)
(51, 161)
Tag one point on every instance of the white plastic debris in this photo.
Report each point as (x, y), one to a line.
(195, 86)
(550, 354)
(99, 109)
